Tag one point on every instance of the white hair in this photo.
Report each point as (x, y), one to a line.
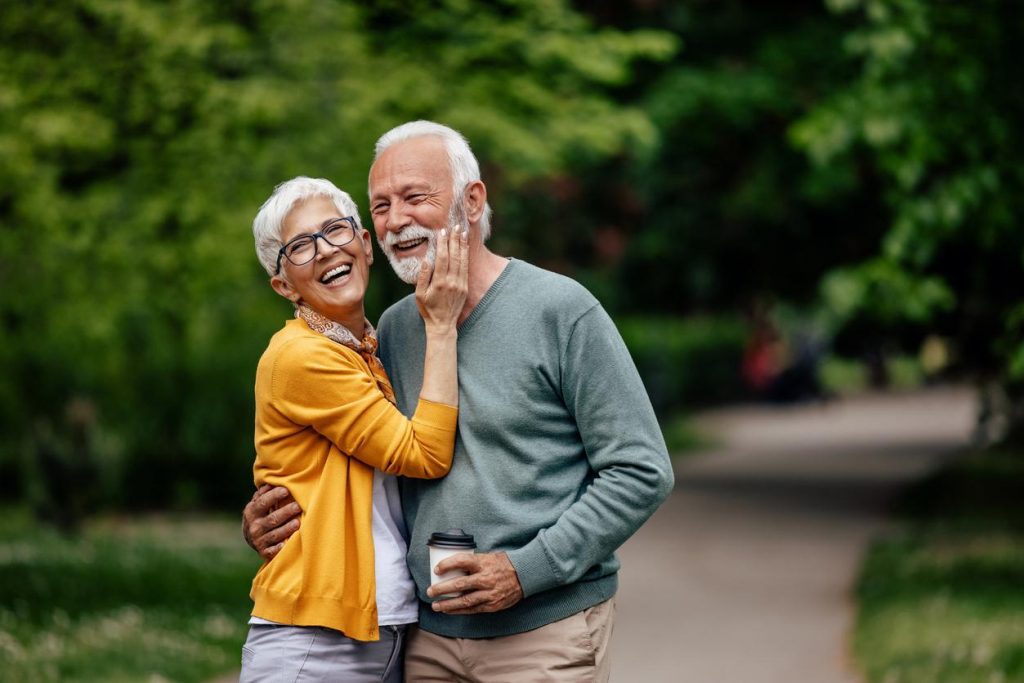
(266, 227)
(463, 164)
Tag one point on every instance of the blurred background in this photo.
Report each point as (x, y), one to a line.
(783, 202)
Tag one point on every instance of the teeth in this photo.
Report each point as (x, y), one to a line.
(409, 243)
(333, 272)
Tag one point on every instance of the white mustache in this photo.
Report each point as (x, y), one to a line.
(411, 232)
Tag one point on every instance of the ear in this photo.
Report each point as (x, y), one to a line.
(475, 197)
(285, 289)
(367, 246)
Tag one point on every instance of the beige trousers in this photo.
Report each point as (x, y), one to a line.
(573, 649)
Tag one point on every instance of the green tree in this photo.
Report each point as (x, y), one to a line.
(724, 209)
(936, 107)
(139, 139)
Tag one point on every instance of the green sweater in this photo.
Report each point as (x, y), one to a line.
(558, 457)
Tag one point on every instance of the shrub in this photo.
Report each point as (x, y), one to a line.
(686, 361)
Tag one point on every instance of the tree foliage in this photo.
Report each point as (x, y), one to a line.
(139, 139)
(723, 210)
(935, 107)
(676, 157)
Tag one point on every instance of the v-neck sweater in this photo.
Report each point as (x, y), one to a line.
(558, 457)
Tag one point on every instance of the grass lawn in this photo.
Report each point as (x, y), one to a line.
(943, 600)
(129, 600)
(845, 376)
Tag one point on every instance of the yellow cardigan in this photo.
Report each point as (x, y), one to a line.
(322, 426)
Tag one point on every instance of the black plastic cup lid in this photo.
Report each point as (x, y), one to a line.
(453, 538)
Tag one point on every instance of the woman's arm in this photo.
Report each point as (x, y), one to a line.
(321, 386)
(440, 296)
(319, 383)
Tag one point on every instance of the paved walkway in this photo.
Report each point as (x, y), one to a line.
(745, 574)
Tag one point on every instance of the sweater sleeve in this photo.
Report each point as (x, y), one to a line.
(624, 447)
(325, 386)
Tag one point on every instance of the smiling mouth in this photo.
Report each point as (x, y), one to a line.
(335, 273)
(409, 245)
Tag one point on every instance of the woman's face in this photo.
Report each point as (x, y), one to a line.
(334, 282)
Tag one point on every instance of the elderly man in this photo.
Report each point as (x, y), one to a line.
(559, 458)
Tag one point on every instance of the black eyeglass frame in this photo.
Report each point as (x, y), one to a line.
(316, 245)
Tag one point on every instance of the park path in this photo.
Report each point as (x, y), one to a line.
(745, 574)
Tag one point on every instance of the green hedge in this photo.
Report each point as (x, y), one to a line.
(686, 361)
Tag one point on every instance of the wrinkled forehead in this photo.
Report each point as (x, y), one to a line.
(423, 159)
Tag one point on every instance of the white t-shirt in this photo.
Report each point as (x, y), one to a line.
(396, 593)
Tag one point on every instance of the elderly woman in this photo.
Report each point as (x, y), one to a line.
(333, 603)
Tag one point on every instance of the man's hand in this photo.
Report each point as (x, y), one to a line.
(492, 584)
(269, 519)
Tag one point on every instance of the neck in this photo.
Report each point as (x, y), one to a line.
(484, 268)
(358, 329)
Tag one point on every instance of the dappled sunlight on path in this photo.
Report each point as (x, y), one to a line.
(745, 574)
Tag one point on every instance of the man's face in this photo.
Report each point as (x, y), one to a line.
(410, 200)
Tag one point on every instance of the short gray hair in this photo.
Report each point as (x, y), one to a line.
(463, 164)
(266, 227)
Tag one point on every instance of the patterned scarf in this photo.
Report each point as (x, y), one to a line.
(367, 347)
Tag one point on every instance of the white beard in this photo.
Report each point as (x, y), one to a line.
(408, 268)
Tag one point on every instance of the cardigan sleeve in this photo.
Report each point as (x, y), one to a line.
(326, 386)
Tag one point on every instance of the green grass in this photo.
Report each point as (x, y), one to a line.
(842, 376)
(905, 372)
(128, 600)
(845, 376)
(943, 600)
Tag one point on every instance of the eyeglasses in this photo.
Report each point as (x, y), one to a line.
(303, 249)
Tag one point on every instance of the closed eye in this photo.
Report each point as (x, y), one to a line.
(297, 245)
(335, 229)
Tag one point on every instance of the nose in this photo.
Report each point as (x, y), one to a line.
(395, 219)
(323, 247)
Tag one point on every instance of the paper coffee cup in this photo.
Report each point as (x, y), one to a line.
(444, 544)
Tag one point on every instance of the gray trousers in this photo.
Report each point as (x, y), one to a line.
(289, 654)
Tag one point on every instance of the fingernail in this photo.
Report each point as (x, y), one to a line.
(444, 232)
